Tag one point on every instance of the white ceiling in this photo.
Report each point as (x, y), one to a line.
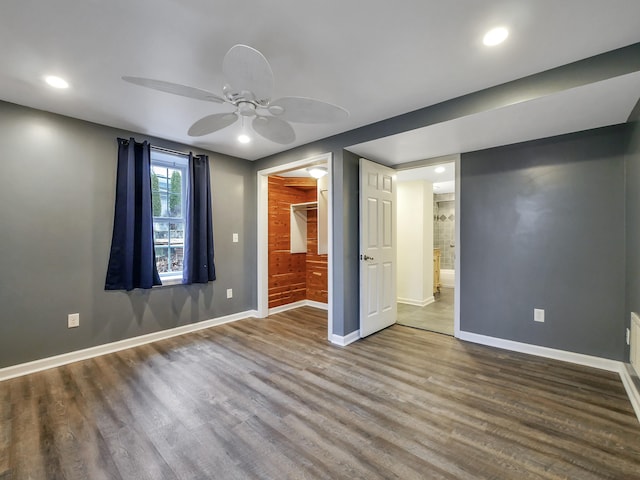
(298, 173)
(429, 173)
(443, 181)
(377, 59)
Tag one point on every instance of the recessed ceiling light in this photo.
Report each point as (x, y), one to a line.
(495, 36)
(244, 138)
(56, 82)
(439, 169)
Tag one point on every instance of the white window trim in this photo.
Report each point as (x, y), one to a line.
(173, 277)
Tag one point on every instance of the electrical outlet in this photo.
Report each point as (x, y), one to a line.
(229, 292)
(538, 315)
(235, 238)
(628, 336)
(73, 320)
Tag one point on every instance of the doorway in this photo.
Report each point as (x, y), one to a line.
(326, 161)
(428, 246)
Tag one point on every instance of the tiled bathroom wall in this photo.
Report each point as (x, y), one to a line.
(444, 228)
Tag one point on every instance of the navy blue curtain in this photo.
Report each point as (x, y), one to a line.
(132, 262)
(198, 264)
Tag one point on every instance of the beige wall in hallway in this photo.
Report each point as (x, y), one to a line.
(415, 242)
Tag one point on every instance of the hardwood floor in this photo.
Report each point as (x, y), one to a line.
(271, 399)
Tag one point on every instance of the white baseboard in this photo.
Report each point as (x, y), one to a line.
(288, 306)
(320, 305)
(562, 355)
(417, 303)
(298, 304)
(346, 340)
(571, 357)
(50, 362)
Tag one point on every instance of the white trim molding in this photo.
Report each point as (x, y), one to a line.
(320, 305)
(13, 371)
(346, 340)
(298, 304)
(417, 303)
(457, 291)
(288, 306)
(571, 357)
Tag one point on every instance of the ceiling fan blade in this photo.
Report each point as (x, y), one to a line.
(247, 70)
(306, 110)
(212, 123)
(274, 129)
(175, 89)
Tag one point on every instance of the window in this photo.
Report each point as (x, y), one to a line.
(171, 225)
(168, 200)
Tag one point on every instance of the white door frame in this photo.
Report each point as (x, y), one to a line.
(456, 292)
(263, 232)
(456, 262)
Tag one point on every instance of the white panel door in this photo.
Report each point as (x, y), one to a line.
(378, 308)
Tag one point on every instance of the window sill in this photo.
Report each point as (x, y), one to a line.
(168, 281)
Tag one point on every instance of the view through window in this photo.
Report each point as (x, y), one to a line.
(168, 194)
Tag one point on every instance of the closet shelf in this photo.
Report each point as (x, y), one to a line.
(298, 237)
(304, 206)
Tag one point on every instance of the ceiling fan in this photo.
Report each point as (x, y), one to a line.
(248, 87)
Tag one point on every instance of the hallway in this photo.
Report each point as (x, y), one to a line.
(435, 317)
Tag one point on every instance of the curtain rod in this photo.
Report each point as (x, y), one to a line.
(168, 150)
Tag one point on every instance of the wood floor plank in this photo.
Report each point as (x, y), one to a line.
(6, 413)
(272, 399)
(27, 455)
(79, 445)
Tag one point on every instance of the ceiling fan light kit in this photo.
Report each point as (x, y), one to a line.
(248, 88)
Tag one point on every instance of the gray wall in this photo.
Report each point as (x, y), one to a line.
(350, 252)
(542, 226)
(600, 67)
(633, 223)
(56, 210)
(56, 217)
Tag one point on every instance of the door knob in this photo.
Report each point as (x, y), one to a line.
(366, 257)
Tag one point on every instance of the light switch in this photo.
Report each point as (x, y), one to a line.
(235, 238)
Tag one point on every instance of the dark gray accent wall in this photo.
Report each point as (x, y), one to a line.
(542, 226)
(632, 223)
(56, 216)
